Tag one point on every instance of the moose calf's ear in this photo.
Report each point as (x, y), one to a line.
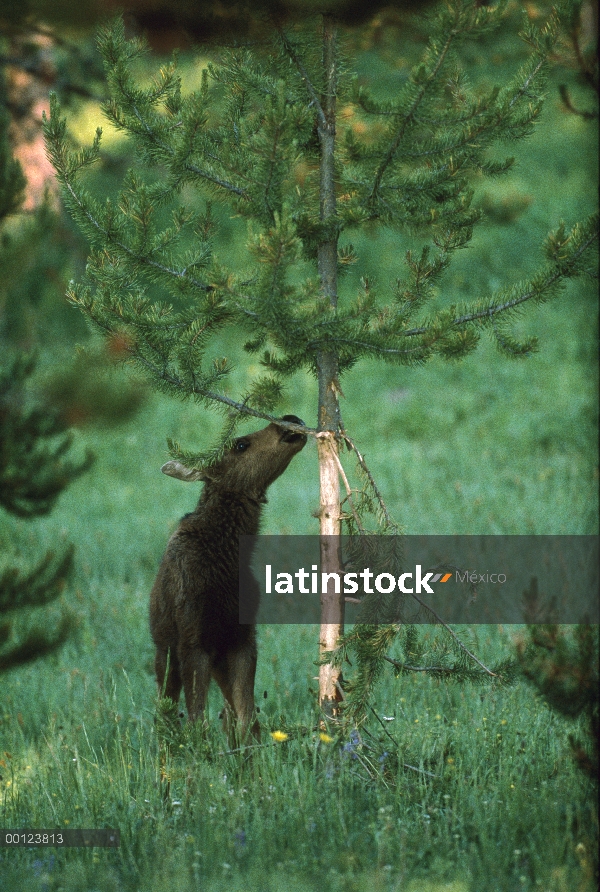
(180, 472)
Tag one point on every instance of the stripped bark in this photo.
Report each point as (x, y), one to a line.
(332, 604)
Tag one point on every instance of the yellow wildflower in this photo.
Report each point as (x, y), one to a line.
(279, 735)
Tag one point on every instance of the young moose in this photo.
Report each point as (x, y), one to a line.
(194, 604)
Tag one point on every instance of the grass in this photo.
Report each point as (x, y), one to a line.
(490, 799)
(477, 790)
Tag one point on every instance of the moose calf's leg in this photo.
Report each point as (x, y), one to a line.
(235, 676)
(167, 664)
(195, 674)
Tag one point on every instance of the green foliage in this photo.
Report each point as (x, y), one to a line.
(40, 249)
(561, 663)
(91, 389)
(12, 181)
(33, 445)
(34, 471)
(19, 594)
(245, 139)
(445, 657)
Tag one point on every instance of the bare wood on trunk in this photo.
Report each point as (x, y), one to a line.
(332, 604)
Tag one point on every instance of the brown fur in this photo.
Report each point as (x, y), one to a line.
(194, 603)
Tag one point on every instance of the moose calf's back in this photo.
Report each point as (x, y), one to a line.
(194, 603)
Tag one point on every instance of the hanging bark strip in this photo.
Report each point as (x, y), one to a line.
(332, 604)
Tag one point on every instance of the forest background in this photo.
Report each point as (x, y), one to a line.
(482, 446)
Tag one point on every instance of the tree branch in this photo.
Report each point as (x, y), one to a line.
(389, 521)
(192, 168)
(453, 634)
(177, 274)
(407, 118)
(314, 96)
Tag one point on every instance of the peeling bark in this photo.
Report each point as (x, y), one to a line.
(332, 604)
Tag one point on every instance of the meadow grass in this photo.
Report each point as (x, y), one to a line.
(465, 789)
(472, 790)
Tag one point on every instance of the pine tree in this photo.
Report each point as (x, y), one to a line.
(34, 469)
(264, 138)
(561, 663)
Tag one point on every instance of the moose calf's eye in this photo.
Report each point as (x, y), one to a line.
(241, 445)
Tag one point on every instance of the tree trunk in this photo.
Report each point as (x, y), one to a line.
(332, 604)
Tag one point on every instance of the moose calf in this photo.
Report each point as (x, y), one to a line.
(194, 603)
